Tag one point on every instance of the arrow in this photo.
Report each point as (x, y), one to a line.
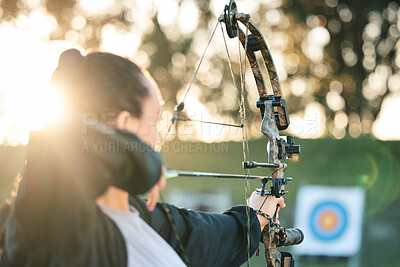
(173, 173)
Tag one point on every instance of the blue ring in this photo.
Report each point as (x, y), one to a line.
(339, 228)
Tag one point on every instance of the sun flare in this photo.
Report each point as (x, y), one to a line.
(27, 102)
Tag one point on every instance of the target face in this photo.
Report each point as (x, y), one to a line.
(330, 225)
(328, 220)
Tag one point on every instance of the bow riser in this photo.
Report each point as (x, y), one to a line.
(259, 44)
(275, 117)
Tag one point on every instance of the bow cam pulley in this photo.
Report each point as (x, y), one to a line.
(230, 12)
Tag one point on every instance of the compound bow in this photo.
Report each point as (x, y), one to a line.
(275, 117)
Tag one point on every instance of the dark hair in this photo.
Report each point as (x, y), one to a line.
(100, 82)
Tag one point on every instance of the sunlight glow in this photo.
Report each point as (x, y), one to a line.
(122, 43)
(188, 17)
(334, 101)
(26, 101)
(96, 6)
(167, 12)
(313, 45)
(386, 126)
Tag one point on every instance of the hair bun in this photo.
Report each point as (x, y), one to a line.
(70, 57)
(71, 67)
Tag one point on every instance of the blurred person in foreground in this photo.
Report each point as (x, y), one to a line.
(77, 204)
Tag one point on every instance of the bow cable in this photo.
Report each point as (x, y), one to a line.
(230, 63)
(198, 66)
(245, 144)
(209, 122)
(242, 114)
(181, 104)
(242, 111)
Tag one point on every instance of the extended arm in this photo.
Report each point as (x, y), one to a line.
(209, 239)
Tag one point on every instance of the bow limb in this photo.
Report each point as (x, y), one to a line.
(269, 105)
(256, 42)
(273, 115)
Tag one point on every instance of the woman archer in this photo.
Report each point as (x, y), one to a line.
(77, 205)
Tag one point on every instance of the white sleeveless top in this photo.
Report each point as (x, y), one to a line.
(144, 246)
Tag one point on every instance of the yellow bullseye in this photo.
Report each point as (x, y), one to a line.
(328, 221)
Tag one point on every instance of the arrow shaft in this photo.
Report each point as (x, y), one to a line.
(218, 175)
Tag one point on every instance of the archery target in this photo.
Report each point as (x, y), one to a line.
(331, 220)
(328, 220)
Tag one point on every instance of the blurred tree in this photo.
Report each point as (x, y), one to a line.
(360, 66)
(340, 56)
